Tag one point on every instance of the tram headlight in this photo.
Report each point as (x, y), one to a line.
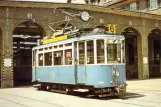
(118, 59)
(116, 73)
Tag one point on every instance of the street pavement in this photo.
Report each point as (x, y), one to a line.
(140, 93)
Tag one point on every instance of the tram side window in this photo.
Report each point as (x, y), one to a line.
(40, 59)
(48, 59)
(90, 52)
(100, 51)
(58, 57)
(114, 53)
(68, 57)
(81, 53)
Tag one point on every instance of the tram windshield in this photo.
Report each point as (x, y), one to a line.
(100, 51)
(114, 53)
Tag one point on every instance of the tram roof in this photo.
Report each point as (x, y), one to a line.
(81, 38)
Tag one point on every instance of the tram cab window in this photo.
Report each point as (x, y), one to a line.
(58, 57)
(81, 52)
(90, 52)
(100, 51)
(40, 59)
(123, 51)
(114, 53)
(48, 59)
(34, 58)
(68, 57)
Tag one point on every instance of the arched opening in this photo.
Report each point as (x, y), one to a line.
(154, 44)
(0, 54)
(131, 51)
(25, 37)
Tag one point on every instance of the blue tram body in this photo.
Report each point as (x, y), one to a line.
(93, 62)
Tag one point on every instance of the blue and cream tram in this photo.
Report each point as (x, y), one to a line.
(93, 62)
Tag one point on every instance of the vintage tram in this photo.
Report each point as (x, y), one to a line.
(94, 63)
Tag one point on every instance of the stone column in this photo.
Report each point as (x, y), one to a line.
(143, 63)
(145, 57)
(7, 54)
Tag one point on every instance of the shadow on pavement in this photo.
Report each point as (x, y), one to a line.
(125, 97)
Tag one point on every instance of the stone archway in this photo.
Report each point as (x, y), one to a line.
(25, 36)
(154, 46)
(131, 51)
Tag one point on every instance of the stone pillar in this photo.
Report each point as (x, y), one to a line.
(140, 62)
(7, 54)
(143, 63)
(145, 57)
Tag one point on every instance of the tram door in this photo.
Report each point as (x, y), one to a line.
(34, 60)
(81, 67)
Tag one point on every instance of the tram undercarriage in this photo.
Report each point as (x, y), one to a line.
(82, 90)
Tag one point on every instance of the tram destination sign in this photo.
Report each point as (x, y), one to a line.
(112, 28)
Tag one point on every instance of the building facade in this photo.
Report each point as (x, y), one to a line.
(22, 23)
(154, 39)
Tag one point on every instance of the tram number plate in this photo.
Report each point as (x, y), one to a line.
(112, 28)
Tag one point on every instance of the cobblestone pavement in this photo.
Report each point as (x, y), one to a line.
(140, 93)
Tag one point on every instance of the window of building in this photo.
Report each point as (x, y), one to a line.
(68, 57)
(100, 51)
(48, 58)
(58, 57)
(90, 52)
(133, 6)
(153, 4)
(81, 52)
(40, 56)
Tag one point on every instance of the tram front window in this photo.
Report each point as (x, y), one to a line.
(81, 53)
(100, 51)
(90, 52)
(114, 53)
